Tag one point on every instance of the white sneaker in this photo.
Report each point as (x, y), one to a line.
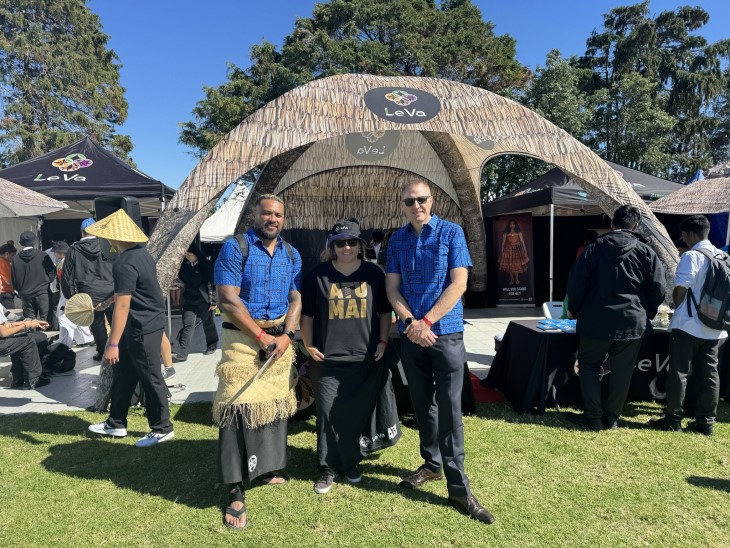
(153, 438)
(104, 428)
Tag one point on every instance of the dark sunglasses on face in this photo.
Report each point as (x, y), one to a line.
(343, 243)
(410, 201)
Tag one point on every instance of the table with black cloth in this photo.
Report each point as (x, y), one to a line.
(535, 368)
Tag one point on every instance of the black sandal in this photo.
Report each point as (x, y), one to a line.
(235, 496)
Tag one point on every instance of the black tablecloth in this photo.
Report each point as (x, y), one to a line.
(535, 368)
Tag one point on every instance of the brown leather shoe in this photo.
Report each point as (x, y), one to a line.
(418, 478)
(473, 508)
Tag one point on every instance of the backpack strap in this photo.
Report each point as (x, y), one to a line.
(690, 294)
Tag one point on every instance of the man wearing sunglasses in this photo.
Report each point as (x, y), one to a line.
(426, 273)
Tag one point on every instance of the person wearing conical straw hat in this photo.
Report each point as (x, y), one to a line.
(138, 323)
(258, 278)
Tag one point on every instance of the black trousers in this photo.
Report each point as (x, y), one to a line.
(250, 452)
(23, 351)
(52, 319)
(37, 306)
(189, 316)
(98, 327)
(139, 362)
(591, 354)
(695, 357)
(7, 300)
(435, 377)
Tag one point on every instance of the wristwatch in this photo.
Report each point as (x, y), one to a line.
(290, 334)
(408, 322)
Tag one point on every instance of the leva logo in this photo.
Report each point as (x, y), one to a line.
(402, 105)
(72, 162)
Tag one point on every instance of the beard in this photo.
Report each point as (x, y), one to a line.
(267, 233)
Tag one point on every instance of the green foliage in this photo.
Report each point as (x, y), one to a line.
(383, 37)
(59, 80)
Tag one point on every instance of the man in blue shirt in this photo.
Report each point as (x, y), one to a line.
(426, 274)
(260, 300)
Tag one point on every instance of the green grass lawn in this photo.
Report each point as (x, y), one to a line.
(547, 485)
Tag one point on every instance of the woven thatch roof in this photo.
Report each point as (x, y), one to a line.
(703, 196)
(465, 126)
(18, 201)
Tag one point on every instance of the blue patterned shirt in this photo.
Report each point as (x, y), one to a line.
(266, 282)
(423, 262)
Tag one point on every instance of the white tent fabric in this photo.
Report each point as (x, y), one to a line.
(221, 225)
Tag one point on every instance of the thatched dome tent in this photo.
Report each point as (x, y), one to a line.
(443, 131)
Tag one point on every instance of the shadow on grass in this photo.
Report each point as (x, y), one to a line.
(24, 426)
(710, 483)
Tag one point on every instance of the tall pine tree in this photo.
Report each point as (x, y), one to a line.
(59, 80)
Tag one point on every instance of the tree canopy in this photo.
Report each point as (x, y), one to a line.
(59, 80)
(382, 37)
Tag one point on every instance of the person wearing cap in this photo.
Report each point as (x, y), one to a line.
(260, 301)
(138, 323)
(426, 275)
(87, 270)
(345, 323)
(31, 274)
(198, 302)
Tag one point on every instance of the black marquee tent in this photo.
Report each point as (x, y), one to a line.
(78, 173)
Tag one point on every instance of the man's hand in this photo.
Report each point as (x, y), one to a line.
(420, 333)
(111, 355)
(40, 324)
(282, 342)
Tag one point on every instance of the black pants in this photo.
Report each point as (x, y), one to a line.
(98, 327)
(139, 362)
(7, 300)
(52, 319)
(23, 351)
(189, 317)
(695, 357)
(37, 306)
(591, 354)
(250, 452)
(435, 377)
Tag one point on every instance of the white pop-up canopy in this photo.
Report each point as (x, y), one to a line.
(222, 224)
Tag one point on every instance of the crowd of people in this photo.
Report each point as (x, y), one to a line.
(345, 308)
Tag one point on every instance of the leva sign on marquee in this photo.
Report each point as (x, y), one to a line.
(402, 105)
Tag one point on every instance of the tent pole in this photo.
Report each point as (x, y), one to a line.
(727, 231)
(169, 306)
(552, 240)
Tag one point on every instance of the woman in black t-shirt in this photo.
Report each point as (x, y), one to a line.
(345, 322)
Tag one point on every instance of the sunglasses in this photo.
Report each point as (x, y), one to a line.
(343, 243)
(410, 201)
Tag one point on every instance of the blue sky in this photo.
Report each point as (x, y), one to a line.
(170, 49)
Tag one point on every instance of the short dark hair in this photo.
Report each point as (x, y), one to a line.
(697, 225)
(626, 217)
(378, 236)
(8, 247)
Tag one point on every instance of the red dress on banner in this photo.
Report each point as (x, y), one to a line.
(513, 259)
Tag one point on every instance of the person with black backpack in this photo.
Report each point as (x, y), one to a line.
(698, 328)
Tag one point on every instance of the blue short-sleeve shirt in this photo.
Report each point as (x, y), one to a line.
(266, 281)
(423, 262)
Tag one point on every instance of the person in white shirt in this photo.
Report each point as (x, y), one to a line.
(693, 346)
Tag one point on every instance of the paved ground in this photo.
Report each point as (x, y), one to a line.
(195, 381)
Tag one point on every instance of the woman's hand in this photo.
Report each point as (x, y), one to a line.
(315, 354)
(380, 351)
(111, 355)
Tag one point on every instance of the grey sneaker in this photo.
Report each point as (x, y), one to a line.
(324, 484)
(354, 475)
(153, 438)
(104, 429)
(168, 372)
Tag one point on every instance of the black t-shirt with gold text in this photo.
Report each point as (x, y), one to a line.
(345, 310)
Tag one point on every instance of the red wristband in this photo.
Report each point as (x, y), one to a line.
(384, 342)
(261, 334)
(428, 322)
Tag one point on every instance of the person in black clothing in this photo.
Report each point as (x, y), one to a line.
(345, 322)
(32, 273)
(22, 347)
(86, 270)
(614, 290)
(198, 302)
(138, 323)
